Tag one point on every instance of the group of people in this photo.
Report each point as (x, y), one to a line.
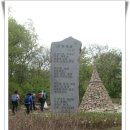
(29, 101)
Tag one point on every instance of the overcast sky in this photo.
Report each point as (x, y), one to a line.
(91, 22)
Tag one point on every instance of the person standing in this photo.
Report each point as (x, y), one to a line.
(41, 99)
(28, 102)
(14, 100)
(33, 100)
(45, 95)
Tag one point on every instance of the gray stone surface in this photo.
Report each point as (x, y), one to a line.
(65, 57)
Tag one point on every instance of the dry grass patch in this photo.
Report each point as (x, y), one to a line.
(78, 121)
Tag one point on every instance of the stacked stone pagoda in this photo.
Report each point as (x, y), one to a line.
(96, 97)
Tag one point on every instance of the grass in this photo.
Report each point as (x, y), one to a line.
(116, 100)
(114, 128)
(78, 121)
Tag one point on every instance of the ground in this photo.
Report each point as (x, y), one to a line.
(38, 120)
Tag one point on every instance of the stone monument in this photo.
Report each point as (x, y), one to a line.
(65, 56)
(96, 97)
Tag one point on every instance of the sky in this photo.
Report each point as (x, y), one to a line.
(91, 22)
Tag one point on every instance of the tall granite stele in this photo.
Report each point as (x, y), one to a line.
(96, 97)
(65, 57)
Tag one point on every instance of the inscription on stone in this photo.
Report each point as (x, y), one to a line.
(65, 75)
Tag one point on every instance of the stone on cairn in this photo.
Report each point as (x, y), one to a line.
(96, 97)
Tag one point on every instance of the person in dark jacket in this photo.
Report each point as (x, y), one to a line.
(34, 100)
(14, 100)
(41, 99)
(28, 102)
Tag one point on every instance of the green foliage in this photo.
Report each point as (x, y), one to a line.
(109, 68)
(28, 63)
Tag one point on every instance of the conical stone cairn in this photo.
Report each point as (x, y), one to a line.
(96, 97)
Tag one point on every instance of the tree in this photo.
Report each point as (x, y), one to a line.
(109, 67)
(42, 59)
(28, 62)
(22, 46)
